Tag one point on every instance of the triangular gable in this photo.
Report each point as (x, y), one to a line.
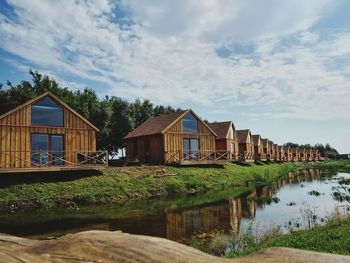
(56, 99)
(182, 115)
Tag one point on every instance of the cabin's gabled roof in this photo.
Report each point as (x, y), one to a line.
(49, 94)
(265, 143)
(280, 148)
(242, 135)
(271, 144)
(286, 148)
(295, 150)
(221, 128)
(160, 124)
(256, 139)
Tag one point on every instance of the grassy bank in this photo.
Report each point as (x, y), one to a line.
(130, 183)
(334, 237)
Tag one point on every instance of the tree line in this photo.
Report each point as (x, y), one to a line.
(325, 150)
(113, 116)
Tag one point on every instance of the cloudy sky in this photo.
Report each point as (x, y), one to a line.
(280, 68)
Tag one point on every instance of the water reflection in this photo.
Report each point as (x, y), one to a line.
(158, 218)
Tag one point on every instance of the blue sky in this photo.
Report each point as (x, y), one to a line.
(280, 68)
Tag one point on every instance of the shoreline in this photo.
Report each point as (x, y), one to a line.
(116, 185)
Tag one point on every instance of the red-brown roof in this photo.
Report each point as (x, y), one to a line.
(271, 144)
(221, 128)
(265, 142)
(256, 138)
(154, 125)
(242, 135)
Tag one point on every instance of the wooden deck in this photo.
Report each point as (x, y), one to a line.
(53, 161)
(47, 169)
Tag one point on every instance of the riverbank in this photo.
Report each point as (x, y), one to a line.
(333, 238)
(113, 185)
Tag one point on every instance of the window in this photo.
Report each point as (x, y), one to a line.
(190, 123)
(191, 149)
(47, 149)
(46, 112)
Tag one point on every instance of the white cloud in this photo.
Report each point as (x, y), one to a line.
(168, 53)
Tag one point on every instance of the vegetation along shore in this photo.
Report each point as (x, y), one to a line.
(118, 184)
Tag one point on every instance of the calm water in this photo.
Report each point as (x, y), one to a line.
(182, 217)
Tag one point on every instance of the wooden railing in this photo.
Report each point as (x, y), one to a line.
(246, 156)
(27, 159)
(197, 156)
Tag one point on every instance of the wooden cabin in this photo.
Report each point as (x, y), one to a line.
(295, 154)
(259, 154)
(46, 134)
(272, 151)
(266, 148)
(309, 155)
(178, 138)
(317, 155)
(281, 153)
(225, 138)
(302, 155)
(277, 157)
(245, 145)
(288, 156)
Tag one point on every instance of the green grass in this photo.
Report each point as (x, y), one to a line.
(331, 239)
(134, 183)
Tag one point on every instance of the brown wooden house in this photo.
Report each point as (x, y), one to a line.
(302, 154)
(281, 156)
(45, 133)
(259, 154)
(226, 137)
(309, 155)
(245, 145)
(179, 138)
(277, 157)
(288, 156)
(272, 151)
(266, 148)
(295, 154)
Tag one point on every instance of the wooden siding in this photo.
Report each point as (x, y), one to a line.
(156, 149)
(173, 139)
(16, 130)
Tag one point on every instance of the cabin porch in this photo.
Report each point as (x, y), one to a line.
(37, 161)
(200, 157)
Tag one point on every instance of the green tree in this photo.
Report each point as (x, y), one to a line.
(142, 111)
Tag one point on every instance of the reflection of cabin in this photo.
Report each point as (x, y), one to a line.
(272, 151)
(281, 153)
(295, 154)
(245, 145)
(181, 138)
(258, 148)
(46, 134)
(226, 137)
(266, 148)
(208, 219)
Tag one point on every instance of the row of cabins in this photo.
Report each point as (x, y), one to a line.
(184, 138)
(45, 132)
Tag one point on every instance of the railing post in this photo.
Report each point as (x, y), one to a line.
(107, 157)
(40, 158)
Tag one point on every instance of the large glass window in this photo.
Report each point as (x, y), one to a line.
(47, 149)
(46, 112)
(190, 123)
(40, 148)
(191, 149)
